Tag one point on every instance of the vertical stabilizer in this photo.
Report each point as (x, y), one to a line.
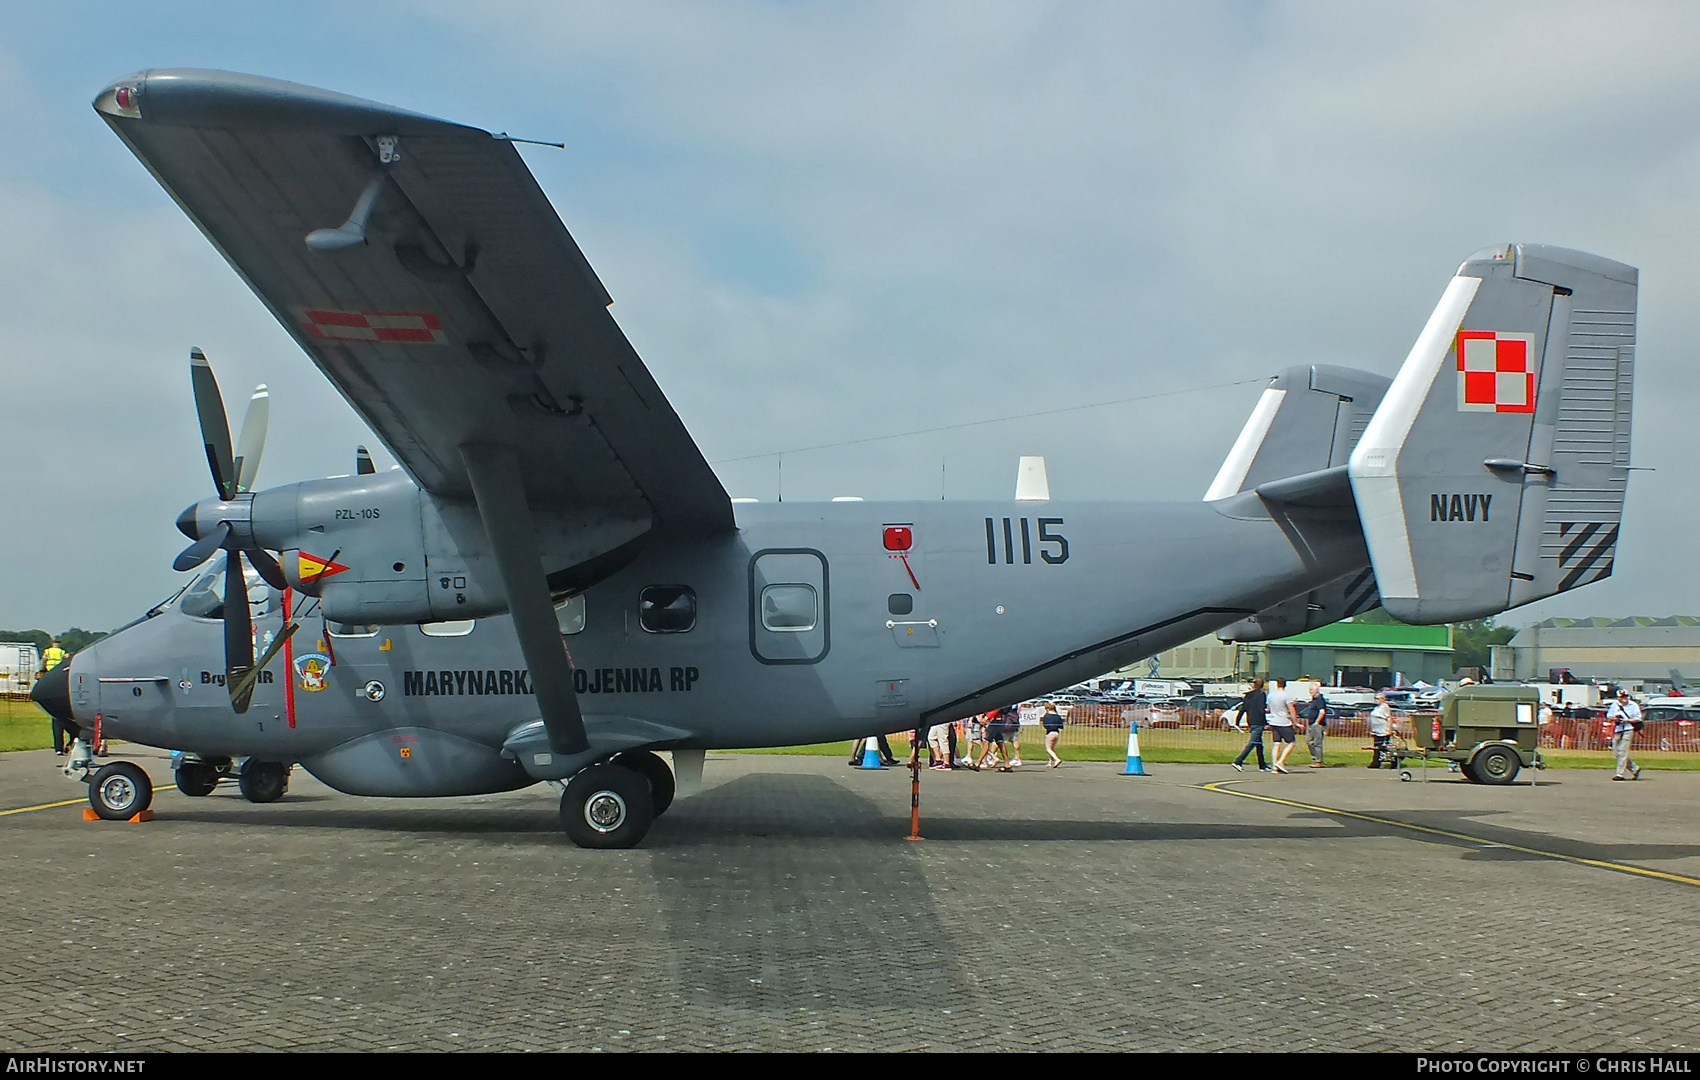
(1493, 472)
(1307, 420)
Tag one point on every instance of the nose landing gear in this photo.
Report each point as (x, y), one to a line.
(120, 791)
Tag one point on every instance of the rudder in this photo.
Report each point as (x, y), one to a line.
(1494, 471)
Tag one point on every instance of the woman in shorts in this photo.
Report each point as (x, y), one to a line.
(1053, 722)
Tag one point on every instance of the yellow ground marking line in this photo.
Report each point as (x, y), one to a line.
(1221, 788)
(43, 806)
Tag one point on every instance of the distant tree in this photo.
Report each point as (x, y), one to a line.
(75, 638)
(1472, 642)
(70, 640)
(39, 638)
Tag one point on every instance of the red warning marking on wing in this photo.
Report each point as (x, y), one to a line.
(398, 327)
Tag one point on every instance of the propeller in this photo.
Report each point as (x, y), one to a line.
(224, 522)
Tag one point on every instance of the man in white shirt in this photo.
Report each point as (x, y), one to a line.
(1626, 717)
(1281, 736)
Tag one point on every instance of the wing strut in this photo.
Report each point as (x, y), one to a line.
(496, 485)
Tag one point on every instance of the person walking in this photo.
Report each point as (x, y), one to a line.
(52, 656)
(1315, 715)
(1626, 720)
(1281, 717)
(1053, 722)
(1012, 735)
(1254, 711)
(1380, 729)
(938, 746)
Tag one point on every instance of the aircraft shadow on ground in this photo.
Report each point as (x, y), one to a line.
(794, 928)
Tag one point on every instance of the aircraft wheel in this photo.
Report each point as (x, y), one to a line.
(607, 806)
(1405, 775)
(195, 779)
(120, 791)
(264, 781)
(649, 763)
(1495, 765)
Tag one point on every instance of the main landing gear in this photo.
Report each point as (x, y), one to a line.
(259, 781)
(613, 803)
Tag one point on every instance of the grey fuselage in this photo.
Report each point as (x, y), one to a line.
(998, 616)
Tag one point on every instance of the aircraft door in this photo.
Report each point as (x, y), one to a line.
(789, 602)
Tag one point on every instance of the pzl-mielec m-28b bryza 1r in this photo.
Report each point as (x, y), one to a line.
(555, 585)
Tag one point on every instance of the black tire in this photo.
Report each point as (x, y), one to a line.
(661, 784)
(607, 806)
(1495, 765)
(196, 779)
(264, 781)
(120, 791)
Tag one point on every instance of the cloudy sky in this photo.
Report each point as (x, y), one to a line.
(827, 222)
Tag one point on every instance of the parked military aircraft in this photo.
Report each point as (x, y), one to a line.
(554, 584)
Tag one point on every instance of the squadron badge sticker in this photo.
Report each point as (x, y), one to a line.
(312, 671)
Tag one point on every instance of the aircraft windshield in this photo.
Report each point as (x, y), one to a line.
(205, 598)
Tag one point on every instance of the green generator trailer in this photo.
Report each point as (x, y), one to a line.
(1489, 732)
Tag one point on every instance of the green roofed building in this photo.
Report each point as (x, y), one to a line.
(1364, 654)
(1345, 654)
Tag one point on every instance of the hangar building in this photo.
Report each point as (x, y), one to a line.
(1633, 650)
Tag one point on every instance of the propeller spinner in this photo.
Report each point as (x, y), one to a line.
(224, 521)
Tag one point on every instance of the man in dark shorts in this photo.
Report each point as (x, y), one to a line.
(994, 741)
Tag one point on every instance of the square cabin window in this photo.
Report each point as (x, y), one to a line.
(667, 609)
(789, 609)
(569, 614)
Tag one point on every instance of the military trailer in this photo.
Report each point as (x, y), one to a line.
(1489, 732)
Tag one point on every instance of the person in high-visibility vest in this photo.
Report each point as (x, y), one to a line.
(53, 656)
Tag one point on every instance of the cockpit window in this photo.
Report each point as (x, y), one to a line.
(205, 598)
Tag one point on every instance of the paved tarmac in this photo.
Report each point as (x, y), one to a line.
(779, 909)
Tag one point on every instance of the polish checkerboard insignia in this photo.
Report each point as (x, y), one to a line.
(1496, 372)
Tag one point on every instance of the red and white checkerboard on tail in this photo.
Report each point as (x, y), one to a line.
(1496, 372)
(378, 327)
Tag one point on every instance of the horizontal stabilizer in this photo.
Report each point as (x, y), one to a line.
(1325, 487)
(1307, 421)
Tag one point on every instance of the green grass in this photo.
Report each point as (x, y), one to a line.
(23, 726)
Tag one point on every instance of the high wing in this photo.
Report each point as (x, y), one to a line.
(461, 315)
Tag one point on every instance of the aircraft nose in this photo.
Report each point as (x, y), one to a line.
(53, 692)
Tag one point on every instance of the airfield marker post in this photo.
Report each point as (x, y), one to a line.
(914, 797)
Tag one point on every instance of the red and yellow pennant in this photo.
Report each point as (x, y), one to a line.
(312, 568)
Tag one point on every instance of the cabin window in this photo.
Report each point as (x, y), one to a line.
(900, 603)
(789, 609)
(667, 609)
(457, 628)
(569, 614)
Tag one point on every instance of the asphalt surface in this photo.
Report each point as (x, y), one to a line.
(781, 909)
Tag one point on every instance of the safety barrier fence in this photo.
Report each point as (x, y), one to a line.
(1104, 726)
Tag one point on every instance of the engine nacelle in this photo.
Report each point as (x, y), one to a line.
(376, 550)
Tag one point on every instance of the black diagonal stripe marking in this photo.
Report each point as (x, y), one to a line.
(1362, 602)
(1585, 564)
(1605, 572)
(1575, 545)
(1358, 582)
(1564, 528)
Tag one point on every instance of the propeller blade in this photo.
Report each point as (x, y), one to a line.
(500, 494)
(215, 429)
(242, 690)
(363, 462)
(252, 442)
(201, 550)
(267, 567)
(238, 628)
